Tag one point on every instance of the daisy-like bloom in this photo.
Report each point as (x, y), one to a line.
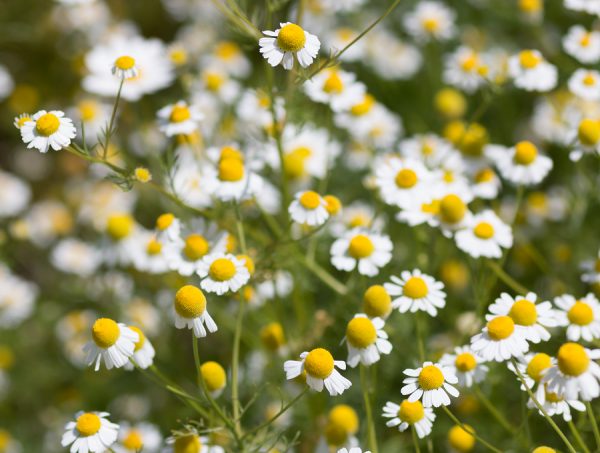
(582, 44)
(585, 84)
(428, 148)
(338, 89)
(389, 57)
(233, 179)
(414, 291)
(582, 316)
(377, 303)
(533, 318)
(191, 312)
(221, 272)
(143, 353)
(485, 236)
(90, 432)
(287, 41)
(146, 252)
(500, 340)
(531, 72)
(14, 194)
(430, 383)
(124, 67)
(361, 249)
(342, 425)
(521, 164)
(76, 257)
(555, 404)
(338, 38)
(467, 365)
(430, 20)
(17, 298)
(179, 119)
(532, 368)
(19, 121)
(486, 184)
(461, 439)
(112, 342)
(409, 414)
(228, 56)
(191, 443)
(218, 83)
(465, 69)
(214, 377)
(168, 225)
(588, 138)
(401, 181)
(309, 208)
(366, 340)
(320, 371)
(139, 437)
(48, 130)
(575, 375)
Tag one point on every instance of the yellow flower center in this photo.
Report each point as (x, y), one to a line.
(293, 162)
(431, 378)
(525, 153)
(484, 175)
(364, 107)
(376, 301)
(229, 152)
(291, 38)
(319, 363)
(153, 247)
(361, 333)
(213, 375)
(272, 336)
(221, 269)
(333, 83)
(227, 50)
(452, 209)
(530, 6)
(231, 170)
(450, 103)
(333, 204)
(141, 338)
(187, 444)
(213, 81)
(589, 79)
(523, 312)
(189, 302)
(342, 421)
(88, 424)
(406, 178)
(589, 131)
(500, 328)
(87, 110)
(125, 62)
(47, 124)
(431, 24)
(572, 359)
(360, 247)
(164, 221)
(196, 246)
(585, 39)
(142, 174)
(310, 200)
(411, 413)
(179, 114)
(105, 332)
(484, 230)
(119, 226)
(469, 63)
(537, 365)
(178, 56)
(133, 441)
(460, 439)
(580, 313)
(529, 59)
(415, 288)
(465, 362)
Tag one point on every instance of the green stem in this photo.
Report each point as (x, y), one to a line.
(590, 412)
(420, 341)
(109, 129)
(415, 439)
(240, 228)
(507, 279)
(470, 430)
(235, 359)
(324, 276)
(492, 410)
(577, 437)
(370, 423)
(278, 414)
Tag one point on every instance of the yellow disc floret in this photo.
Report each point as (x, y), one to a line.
(272, 336)
(573, 359)
(500, 328)
(196, 246)
(465, 362)
(415, 288)
(141, 338)
(119, 226)
(363, 107)
(142, 174)
(580, 313)
(47, 124)
(291, 38)
(214, 376)
(187, 444)
(537, 365)
(544, 449)
(450, 103)
(133, 441)
(589, 132)
(484, 230)
(452, 209)
(360, 247)
(431, 378)
(411, 413)
(523, 312)
(333, 84)
(529, 59)
(125, 62)
(105, 332)
(345, 418)
(153, 247)
(164, 221)
(231, 169)
(377, 303)
(406, 178)
(460, 439)
(333, 204)
(319, 363)
(310, 200)
(88, 424)
(525, 153)
(361, 332)
(189, 302)
(222, 269)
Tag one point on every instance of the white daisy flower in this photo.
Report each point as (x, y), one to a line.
(214, 377)
(415, 291)
(531, 72)
(139, 437)
(168, 226)
(468, 367)
(366, 340)
(428, 148)
(430, 20)
(254, 111)
(143, 353)
(451, 211)
(228, 56)
(111, 342)
(409, 414)
(76, 257)
(500, 340)
(90, 432)
(287, 41)
(389, 57)
(191, 442)
(48, 130)
(431, 383)
(179, 119)
(485, 235)
(532, 368)
(585, 83)
(233, 180)
(222, 272)
(401, 181)
(465, 70)
(521, 164)
(191, 182)
(319, 366)
(575, 375)
(582, 316)
(554, 404)
(338, 38)
(17, 298)
(146, 251)
(124, 67)
(582, 44)
(361, 249)
(587, 139)
(338, 89)
(191, 312)
(218, 83)
(93, 116)
(14, 194)
(486, 184)
(309, 208)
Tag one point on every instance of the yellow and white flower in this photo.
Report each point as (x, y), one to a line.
(222, 272)
(587, 138)
(465, 69)
(192, 443)
(76, 257)
(319, 367)
(228, 56)
(580, 316)
(431, 383)
(430, 20)
(532, 368)
(191, 312)
(484, 236)
(90, 432)
(112, 342)
(468, 367)
(366, 340)
(179, 119)
(309, 208)
(338, 89)
(362, 249)
(146, 251)
(14, 194)
(521, 164)
(214, 377)
(216, 82)
(142, 436)
(390, 57)
(290, 39)
(17, 298)
(500, 340)
(415, 291)
(233, 179)
(401, 181)
(143, 352)
(93, 116)
(585, 83)
(409, 414)
(554, 404)
(486, 183)
(531, 72)
(582, 44)
(48, 130)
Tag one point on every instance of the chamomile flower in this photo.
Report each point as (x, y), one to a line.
(14, 194)
(409, 414)
(214, 377)
(451, 211)
(338, 38)
(179, 119)
(192, 443)
(585, 84)
(554, 404)
(415, 291)
(229, 56)
(76, 257)
(582, 316)
(17, 298)
(338, 89)
(146, 252)
(143, 353)
(112, 342)
(216, 82)
(141, 436)
(486, 183)
(341, 427)
(531, 72)
(430, 20)
(48, 130)
(233, 179)
(588, 139)
(389, 57)
(222, 273)
(485, 235)
(361, 249)
(431, 383)
(286, 42)
(401, 181)
(90, 432)
(532, 368)
(167, 225)
(582, 44)
(124, 67)
(366, 340)
(377, 303)
(468, 367)
(500, 340)
(465, 69)
(319, 366)
(309, 208)
(575, 375)
(521, 164)
(191, 312)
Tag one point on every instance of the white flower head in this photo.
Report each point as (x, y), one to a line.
(290, 39)
(485, 235)
(361, 249)
(521, 164)
(431, 383)
(309, 208)
(338, 89)
(415, 291)
(90, 432)
(401, 181)
(319, 366)
(531, 72)
(143, 352)
(191, 312)
(580, 316)
(500, 340)
(431, 20)
(179, 119)
(222, 272)
(409, 414)
(112, 342)
(582, 44)
(48, 130)
(468, 367)
(366, 340)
